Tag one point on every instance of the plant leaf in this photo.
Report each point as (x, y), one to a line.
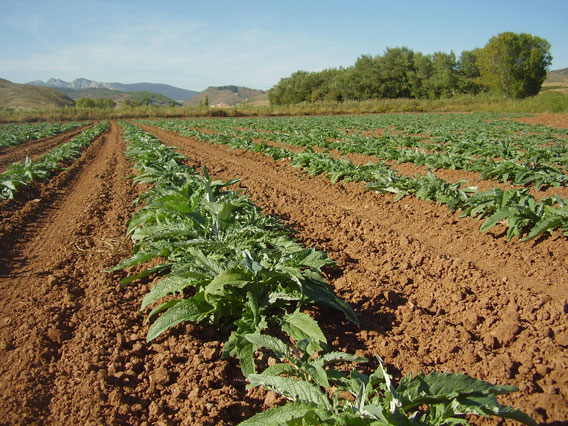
(296, 390)
(279, 416)
(192, 309)
(300, 326)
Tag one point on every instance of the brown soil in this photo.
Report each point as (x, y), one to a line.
(34, 149)
(432, 292)
(552, 120)
(472, 179)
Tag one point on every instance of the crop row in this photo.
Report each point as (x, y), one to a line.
(21, 174)
(520, 159)
(14, 134)
(481, 135)
(523, 214)
(220, 261)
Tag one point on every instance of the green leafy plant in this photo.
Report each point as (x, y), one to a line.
(20, 174)
(13, 134)
(221, 261)
(319, 394)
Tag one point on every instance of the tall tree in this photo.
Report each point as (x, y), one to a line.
(514, 65)
(365, 77)
(468, 71)
(396, 73)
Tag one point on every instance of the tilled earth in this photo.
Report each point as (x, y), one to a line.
(34, 149)
(431, 291)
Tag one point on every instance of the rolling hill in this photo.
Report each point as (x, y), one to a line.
(556, 81)
(557, 76)
(24, 96)
(225, 95)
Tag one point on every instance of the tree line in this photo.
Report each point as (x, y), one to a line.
(510, 65)
(95, 103)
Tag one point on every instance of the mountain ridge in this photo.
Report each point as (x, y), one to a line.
(172, 92)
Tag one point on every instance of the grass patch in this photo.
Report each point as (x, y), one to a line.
(546, 102)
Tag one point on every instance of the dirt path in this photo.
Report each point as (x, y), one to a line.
(34, 149)
(432, 291)
(72, 345)
(47, 263)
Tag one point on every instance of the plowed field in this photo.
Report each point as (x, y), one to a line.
(431, 291)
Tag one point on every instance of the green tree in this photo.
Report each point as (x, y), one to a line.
(435, 76)
(366, 77)
(514, 65)
(297, 88)
(85, 103)
(396, 73)
(423, 71)
(468, 71)
(444, 80)
(95, 103)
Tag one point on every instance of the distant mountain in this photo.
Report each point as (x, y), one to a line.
(225, 95)
(94, 93)
(82, 83)
(24, 96)
(168, 91)
(118, 96)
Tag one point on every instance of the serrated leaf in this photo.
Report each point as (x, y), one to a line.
(296, 390)
(279, 369)
(166, 286)
(134, 277)
(544, 225)
(318, 374)
(245, 353)
(314, 259)
(322, 293)
(140, 257)
(486, 406)
(279, 416)
(274, 344)
(439, 386)
(192, 309)
(300, 326)
(230, 277)
(333, 357)
(499, 215)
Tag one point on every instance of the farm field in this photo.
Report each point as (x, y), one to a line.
(431, 291)
(34, 147)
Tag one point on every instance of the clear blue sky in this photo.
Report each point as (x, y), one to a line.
(196, 44)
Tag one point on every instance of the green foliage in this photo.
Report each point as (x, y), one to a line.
(221, 262)
(321, 394)
(146, 98)
(515, 65)
(21, 174)
(14, 134)
(510, 64)
(224, 262)
(95, 103)
(468, 143)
